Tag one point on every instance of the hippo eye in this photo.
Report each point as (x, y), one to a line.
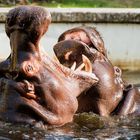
(118, 70)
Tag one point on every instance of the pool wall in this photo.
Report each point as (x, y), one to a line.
(119, 28)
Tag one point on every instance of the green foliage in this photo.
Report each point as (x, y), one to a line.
(78, 3)
(92, 3)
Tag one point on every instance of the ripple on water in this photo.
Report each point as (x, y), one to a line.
(85, 126)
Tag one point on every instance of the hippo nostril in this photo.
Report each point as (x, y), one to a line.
(29, 68)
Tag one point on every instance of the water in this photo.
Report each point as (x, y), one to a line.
(86, 126)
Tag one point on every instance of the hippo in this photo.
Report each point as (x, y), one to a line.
(88, 35)
(108, 90)
(111, 95)
(130, 103)
(34, 87)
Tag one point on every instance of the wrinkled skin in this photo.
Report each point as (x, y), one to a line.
(33, 87)
(111, 95)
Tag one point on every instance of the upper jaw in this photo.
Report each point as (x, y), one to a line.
(68, 51)
(93, 35)
(76, 55)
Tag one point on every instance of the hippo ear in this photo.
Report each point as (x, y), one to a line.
(96, 39)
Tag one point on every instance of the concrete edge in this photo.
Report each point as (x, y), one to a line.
(88, 15)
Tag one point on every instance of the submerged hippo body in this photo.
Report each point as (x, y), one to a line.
(110, 95)
(130, 103)
(32, 86)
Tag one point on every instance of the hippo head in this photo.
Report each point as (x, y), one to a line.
(86, 34)
(25, 25)
(30, 20)
(69, 50)
(35, 86)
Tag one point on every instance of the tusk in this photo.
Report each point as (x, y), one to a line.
(80, 67)
(56, 59)
(73, 66)
(88, 65)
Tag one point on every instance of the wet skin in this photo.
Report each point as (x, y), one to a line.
(104, 97)
(130, 104)
(33, 87)
(111, 95)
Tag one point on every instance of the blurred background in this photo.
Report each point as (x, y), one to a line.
(76, 3)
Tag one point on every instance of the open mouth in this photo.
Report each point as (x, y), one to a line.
(75, 55)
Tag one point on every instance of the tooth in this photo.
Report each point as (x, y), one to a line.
(88, 65)
(80, 67)
(73, 66)
(56, 59)
(94, 77)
